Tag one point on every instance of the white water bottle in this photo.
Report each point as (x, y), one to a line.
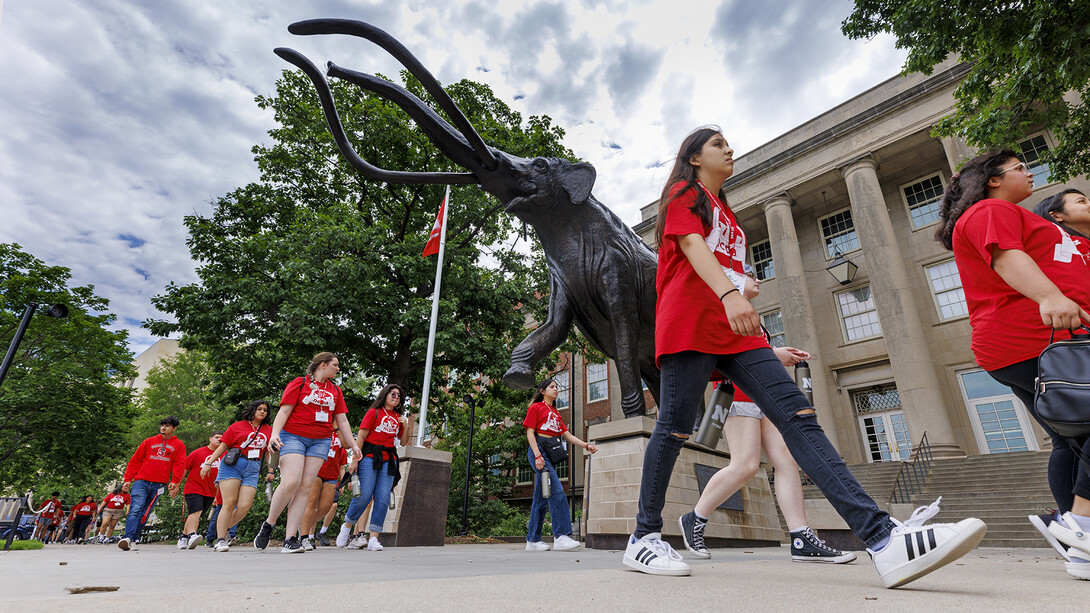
(355, 485)
(545, 484)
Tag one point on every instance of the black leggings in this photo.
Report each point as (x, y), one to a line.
(1067, 477)
(80, 526)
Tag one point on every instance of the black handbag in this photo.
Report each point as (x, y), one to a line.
(231, 457)
(554, 447)
(1062, 395)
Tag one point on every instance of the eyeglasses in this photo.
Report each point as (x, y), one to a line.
(1020, 166)
(394, 393)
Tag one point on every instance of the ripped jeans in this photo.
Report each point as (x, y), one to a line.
(760, 374)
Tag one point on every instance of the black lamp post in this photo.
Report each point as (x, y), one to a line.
(842, 269)
(56, 310)
(468, 399)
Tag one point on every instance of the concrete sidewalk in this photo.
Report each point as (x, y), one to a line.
(507, 578)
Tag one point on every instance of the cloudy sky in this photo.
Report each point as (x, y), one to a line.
(117, 118)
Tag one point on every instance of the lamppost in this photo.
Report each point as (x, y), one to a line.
(56, 310)
(468, 399)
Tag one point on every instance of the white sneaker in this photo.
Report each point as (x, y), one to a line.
(1078, 565)
(358, 542)
(183, 543)
(565, 543)
(537, 546)
(344, 535)
(308, 544)
(654, 556)
(195, 540)
(1068, 531)
(374, 545)
(126, 545)
(915, 550)
(221, 545)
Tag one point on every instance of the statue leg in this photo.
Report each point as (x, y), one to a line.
(627, 359)
(541, 342)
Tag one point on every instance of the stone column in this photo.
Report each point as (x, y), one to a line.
(957, 151)
(902, 328)
(798, 316)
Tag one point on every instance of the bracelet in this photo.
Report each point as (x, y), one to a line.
(727, 293)
(537, 457)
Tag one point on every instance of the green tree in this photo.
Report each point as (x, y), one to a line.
(1025, 57)
(181, 386)
(62, 418)
(313, 257)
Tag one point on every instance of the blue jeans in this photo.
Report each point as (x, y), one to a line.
(375, 486)
(764, 379)
(144, 496)
(1067, 477)
(557, 503)
(212, 533)
(301, 445)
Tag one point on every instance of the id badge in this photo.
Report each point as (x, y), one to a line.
(321, 416)
(161, 490)
(253, 454)
(332, 452)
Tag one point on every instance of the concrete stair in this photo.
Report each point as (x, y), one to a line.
(1001, 489)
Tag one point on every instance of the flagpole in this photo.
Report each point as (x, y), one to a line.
(434, 321)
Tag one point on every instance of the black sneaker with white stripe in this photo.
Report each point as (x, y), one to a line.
(654, 556)
(261, 541)
(915, 550)
(807, 547)
(692, 532)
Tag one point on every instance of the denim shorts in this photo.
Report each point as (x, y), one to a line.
(330, 481)
(745, 409)
(301, 445)
(244, 470)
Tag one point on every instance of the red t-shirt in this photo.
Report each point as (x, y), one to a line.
(157, 461)
(689, 315)
(238, 433)
(51, 509)
(116, 501)
(194, 484)
(85, 508)
(1007, 326)
(383, 427)
(544, 420)
(315, 407)
(335, 459)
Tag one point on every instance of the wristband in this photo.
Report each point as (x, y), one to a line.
(727, 293)
(537, 457)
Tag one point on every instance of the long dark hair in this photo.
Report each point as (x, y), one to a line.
(968, 187)
(1055, 204)
(250, 411)
(685, 173)
(539, 396)
(380, 400)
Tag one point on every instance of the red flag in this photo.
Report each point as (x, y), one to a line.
(432, 247)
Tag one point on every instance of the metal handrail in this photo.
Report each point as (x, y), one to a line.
(912, 477)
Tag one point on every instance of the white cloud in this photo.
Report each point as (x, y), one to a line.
(120, 118)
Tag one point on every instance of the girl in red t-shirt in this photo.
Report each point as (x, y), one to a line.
(384, 422)
(1024, 280)
(114, 508)
(543, 420)
(309, 407)
(81, 515)
(237, 484)
(703, 324)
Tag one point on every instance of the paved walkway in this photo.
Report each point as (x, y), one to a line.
(506, 578)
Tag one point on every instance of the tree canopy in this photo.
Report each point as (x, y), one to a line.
(314, 257)
(62, 419)
(1030, 67)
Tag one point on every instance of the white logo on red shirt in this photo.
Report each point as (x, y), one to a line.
(321, 398)
(1066, 249)
(388, 425)
(259, 442)
(552, 423)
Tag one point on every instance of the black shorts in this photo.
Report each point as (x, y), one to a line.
(196, 503)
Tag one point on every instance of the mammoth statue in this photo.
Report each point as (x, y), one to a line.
(601, 275)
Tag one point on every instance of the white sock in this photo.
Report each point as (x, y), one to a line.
(323, 530)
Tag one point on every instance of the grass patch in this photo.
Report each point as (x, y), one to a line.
(25, 545)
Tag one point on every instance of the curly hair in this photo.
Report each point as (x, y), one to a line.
(968, 187)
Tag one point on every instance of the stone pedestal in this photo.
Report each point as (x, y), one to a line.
(419, 516)
(613, 488)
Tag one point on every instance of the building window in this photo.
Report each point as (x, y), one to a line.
(1032, 148)
(563, 388)
(761, 255)
(525, 474)
(773, 322)
(597, 382)
(923, 198)
(838, 231)
(946, 286)
(562, 470)
(858, 314)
